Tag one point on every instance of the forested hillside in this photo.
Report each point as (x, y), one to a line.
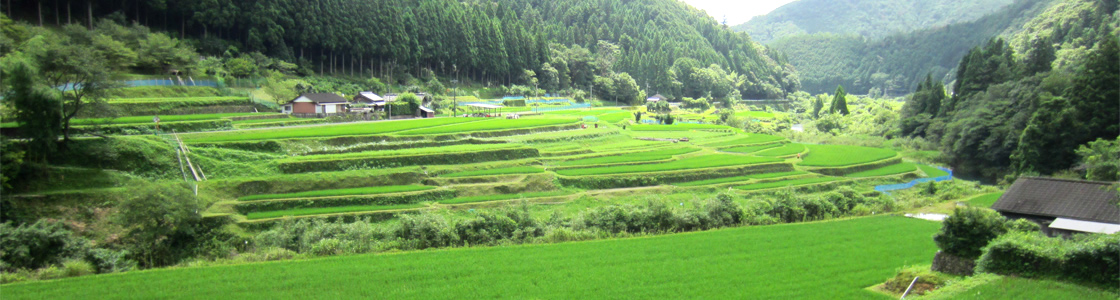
(894, 65)
(490, 42)
(1029, 106)
(867, 18)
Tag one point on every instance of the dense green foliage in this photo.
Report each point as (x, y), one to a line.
(486, 42)
(969, 229)
(38, 112)
(1089, 258)
(1011, 112)
(896, 63)
(883, 244)
(868, 18)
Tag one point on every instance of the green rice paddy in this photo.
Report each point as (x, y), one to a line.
(500, 171)
(341, 192)
(825, 260)
(986, 200)
(487, 125)
(742, 178)
(699, 162)
(884, 171)
(750, 139)
(841, 155)
(486, 198)
(784, 183)
(326, 210)
(629, 157)
(784, 150)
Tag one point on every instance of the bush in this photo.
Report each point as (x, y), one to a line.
(161, 223)
(37, 245)
(426, 231)
(514, 103)
(109, 261)
(1091, 258)
(73, 267)
(968, 230)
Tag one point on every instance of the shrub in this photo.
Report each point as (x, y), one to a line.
(109, 261)
(161, 223)
(968, 230)
(426, 231)
(1092, 258)
(37, 245)
(74, 267)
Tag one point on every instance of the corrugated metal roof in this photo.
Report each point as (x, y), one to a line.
(1085, 226)
(1061, 198)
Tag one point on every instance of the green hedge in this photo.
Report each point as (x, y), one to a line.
(262, 146)
(1093, 258)
(395, 199)
(295, 183)
(407, 160)
(658, 178)
(186, 126)
(400, 109)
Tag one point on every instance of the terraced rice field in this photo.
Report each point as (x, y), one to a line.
(826, 260)
(488, 125)
(699, 162)
(365, 128)
(932, 171)
(405, 152)
(985, 200)
(888, 170)
(751, 149)
(679, 127)
(341, 192)
(486, 198)
(655, 155)
(327, 210)
(840, 155)
(742, 178)
(784, 150)
(750, 139)
(785, 183)
(207, 100)
(499, 171)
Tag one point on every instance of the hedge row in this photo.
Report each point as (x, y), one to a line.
(841, 171)
(172, 106)
(658, 178)
(404, 145)
(393, 199)
(259, 117)
(260, 146)
(407, 160)
(1084, 259)
(515, 103)
(310, 182)
(281, 123)
(185, 126)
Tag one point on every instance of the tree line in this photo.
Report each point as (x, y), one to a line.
(486, 41)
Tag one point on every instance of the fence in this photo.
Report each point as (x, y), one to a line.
(912, 183)
(553, 101)
(573, 106)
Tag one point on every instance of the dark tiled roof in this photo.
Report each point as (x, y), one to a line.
(1074, 199)
(323, 98)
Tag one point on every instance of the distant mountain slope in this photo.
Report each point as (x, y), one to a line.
(867, 18)
(895, 64)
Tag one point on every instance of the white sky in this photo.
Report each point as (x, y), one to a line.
(736, 11)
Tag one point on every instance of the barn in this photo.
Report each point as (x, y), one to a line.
(1062, 207)
(316, 104)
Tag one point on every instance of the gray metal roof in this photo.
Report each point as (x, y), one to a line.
(1061, 198)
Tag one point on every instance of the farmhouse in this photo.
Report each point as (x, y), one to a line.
(316, 105)
(1062, 206)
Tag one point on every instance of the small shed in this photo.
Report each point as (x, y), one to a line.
(427, 112)
(316, 103)
(1062, 206)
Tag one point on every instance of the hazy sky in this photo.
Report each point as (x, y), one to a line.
(736, 11)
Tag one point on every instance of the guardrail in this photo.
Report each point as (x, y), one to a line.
(902, 186)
